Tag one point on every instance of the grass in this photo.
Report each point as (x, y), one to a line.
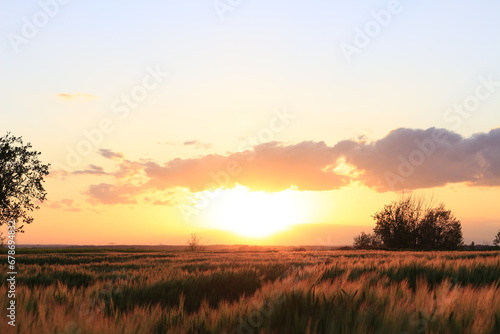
(105, 291)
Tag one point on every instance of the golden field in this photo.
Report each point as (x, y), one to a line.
(135, 291)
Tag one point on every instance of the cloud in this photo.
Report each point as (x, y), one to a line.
(93, 170)
(168, 198)
(197, 144)
(193, 143)
(106, 193)
(270, 167)
(414, 158)
(123, 193)
(403, 159)
(57, 173)
(108, 154)
(64, 205)
(74, 96)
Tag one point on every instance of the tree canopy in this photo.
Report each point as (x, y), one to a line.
(21, 180)
(367, 241)
(496, 241)
(413, 223)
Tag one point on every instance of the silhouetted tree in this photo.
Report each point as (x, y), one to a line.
(412, 223)
(21, 180)
(439, 229)
(496, 241)
(194, 243)
(367, 241)
(397, 222)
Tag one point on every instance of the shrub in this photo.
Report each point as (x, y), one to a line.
(412, 223)
(367, 241)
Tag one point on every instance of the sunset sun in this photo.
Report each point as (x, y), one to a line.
(254, 214)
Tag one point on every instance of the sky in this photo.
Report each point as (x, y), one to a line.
(252, 122)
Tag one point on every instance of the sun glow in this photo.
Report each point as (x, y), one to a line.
(255, 213)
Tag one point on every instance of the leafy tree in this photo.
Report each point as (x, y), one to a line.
(496, 241)
(397, 222)
(439, 229)
(367, 241)
(412, 223)
(21, 180)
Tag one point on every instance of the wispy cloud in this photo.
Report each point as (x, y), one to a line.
(92, 170)
(64, 205)
(106, 193)
(197, 144)
(75, 96)
(108, 154)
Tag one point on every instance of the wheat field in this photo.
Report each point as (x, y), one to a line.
(131, 291)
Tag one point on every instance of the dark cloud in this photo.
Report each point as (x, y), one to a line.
(413, 158)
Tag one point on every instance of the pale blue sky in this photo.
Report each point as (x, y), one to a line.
(263, 55)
